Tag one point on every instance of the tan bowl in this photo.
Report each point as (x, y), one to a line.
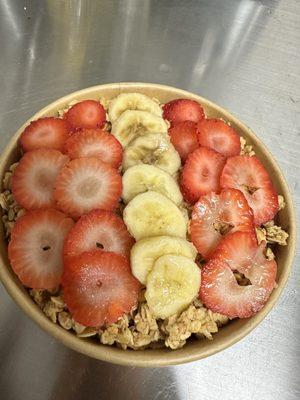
(195, 349)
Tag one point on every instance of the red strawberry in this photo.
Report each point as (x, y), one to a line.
(35, 248)
(98, 229)
(48, 132)
(217, 135)
(183, 110)
(217, 215)
(87, 114)
(249, 175)
(239, 250)
(33, 179)
(201, 173)
(220, 291)
(85, 184)
(184, 138)
(98, 287)
(95, 143)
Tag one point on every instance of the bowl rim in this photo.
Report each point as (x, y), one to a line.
(146, 358)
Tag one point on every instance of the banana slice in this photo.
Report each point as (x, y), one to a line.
(172, 285)
(133, 123)
(152, 214)
(155, 149)
(132, 101)
(146, 251)
(140, 178)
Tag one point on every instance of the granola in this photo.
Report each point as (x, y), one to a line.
(246, 149)
(272, 233)
(196, 320)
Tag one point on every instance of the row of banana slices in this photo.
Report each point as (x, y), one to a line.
(138, 125)
(162, 258)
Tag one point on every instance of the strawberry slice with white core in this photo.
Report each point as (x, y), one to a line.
(98, 288)
(48, 132)
(99, 229)
(86, 184)
(86, 114)
(183, 110)
(95, 143)
(184, 138)
(217, 135)
(34, 178)
(220, 291)
(217, 215)
(35, 248)
(201, 173)
(249, 175)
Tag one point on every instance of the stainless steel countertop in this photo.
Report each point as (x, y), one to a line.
(243, 55)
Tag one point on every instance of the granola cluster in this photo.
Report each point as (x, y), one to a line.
(272, 234)
(138, 330)
(246, 149)
(52, 304)
(196, 319)
(143, 330)
(11, 210)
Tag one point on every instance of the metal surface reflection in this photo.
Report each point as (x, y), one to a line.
(243, 55)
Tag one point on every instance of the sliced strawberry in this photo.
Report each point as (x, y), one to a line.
(217, 135)
(201, 173)
(184, 138)
(98, 287)
(95, 143)
(98, 229)
(239, 250)
(34, 178)
(217, 215)
(87, 114)
(48, 132)
(183, 110)
(85, 184)
(35, 248)
(220, 291)
(249, 175)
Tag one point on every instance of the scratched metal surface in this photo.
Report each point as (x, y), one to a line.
(243, 55)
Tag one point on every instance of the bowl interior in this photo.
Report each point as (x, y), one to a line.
(194, 350)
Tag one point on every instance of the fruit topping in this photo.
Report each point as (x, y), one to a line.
(217, 135)
(34, 178)
(86, 114)
(217, 215)
(152, 214)
(184, 138)
(95, 143)
(201, 173)
(220, 291)
(132, 101)
(154, 149)
(48, 132)
(134, 123)
(35, 248)
(146, 251)
(172, 285)
(250, 176)
(98, 287)
(85, 184)
(99, 229)
(141, 178)
(183, 110)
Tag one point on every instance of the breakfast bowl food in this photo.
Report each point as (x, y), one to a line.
(160, 220)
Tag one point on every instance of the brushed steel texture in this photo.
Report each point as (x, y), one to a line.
(241, 54)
